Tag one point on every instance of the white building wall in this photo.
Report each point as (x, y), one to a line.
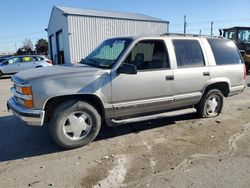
(58, 22)
(86, 33)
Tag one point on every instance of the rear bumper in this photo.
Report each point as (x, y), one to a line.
(236, 90)
(29, 116)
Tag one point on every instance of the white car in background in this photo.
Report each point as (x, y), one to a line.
(16, 64)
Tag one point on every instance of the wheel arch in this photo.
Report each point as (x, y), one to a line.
(53, 102)
(222, 85)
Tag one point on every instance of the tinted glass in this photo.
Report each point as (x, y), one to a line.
(188, 53)
(225, 52)
(149, 54)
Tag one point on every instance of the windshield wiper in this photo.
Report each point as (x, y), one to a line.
(93, 63)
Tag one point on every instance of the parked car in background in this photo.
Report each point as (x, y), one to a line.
(14, 64)
(127, 80)
(2, 59)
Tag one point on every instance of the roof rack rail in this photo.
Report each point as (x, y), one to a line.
(190, 35)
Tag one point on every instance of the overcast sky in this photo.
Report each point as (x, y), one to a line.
(22, 19)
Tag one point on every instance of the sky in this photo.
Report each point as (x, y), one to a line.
(20, 19)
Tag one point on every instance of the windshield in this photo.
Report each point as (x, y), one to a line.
(107, 53)
(244, 35)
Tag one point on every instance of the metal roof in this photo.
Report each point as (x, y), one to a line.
(237, 27)
(107, 14)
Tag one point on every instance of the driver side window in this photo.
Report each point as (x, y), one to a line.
(149, 54)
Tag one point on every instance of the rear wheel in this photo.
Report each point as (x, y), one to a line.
(211, 103)
(75, 124)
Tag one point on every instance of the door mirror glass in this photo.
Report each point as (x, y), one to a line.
(127, 68)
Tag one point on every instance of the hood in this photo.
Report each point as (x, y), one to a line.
(58, 72)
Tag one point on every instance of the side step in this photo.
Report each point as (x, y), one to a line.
(113, 122)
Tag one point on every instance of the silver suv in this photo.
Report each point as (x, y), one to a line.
(14, 64)
(126, 80)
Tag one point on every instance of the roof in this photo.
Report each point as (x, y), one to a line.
(108, 14)
(237, 27)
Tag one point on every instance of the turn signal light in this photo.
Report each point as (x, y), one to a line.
(28, 103)
(26, 90)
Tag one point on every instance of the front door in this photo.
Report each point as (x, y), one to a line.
(151, 89)
(12, 66)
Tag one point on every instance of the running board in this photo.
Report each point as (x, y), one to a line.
(113, 122)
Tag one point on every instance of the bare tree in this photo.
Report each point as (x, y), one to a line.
(27, 44)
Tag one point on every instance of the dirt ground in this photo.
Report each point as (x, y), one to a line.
(180, 152)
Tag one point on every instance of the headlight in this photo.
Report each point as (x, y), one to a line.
(26, 90)
(24, 95)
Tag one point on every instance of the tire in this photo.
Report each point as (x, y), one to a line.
(1, 74)
(74, 124)
(215, 98)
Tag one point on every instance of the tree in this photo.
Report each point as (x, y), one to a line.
(27, 48)
(27, 44)
(42, 46)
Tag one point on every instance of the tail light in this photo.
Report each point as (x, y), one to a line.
(245, 72)
(49, 61)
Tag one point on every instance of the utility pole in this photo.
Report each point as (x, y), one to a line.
(185, 24)
(212, 28)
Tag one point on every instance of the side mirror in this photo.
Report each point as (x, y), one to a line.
(126, 68)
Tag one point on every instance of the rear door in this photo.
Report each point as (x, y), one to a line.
(192, 72)
(28, 62)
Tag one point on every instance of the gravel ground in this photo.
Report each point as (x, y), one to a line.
(183, 151)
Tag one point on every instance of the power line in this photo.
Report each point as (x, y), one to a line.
(14, 41)
(21, 35)
(217, 21)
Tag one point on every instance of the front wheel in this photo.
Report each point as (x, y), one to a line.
(211, 103)
(75, 124)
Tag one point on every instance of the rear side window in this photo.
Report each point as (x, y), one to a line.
(188, 53)
(225, 52)
(38, 58)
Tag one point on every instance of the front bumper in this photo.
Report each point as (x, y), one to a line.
(29, 116)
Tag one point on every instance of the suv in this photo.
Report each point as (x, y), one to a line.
(14, 64)
(126, 80)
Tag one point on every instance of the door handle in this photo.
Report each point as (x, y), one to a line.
(170, 77)
(206, 73)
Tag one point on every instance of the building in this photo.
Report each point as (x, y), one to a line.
(74, 32)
